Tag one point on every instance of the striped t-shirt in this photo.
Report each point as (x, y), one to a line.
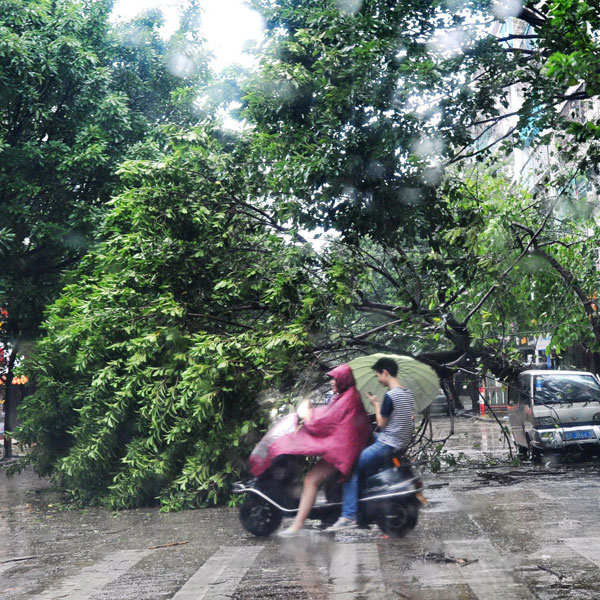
(398, 404)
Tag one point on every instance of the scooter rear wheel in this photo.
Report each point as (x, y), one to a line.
(259, 517)
(399, 518)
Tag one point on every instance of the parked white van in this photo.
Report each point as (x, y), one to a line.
(554, 409)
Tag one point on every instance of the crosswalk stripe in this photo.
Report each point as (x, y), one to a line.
(487, 578)
(6, 567)
(588, 547)
(91, 579)
(355, 572)
(220, 575)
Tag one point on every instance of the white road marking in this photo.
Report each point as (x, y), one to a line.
(220, 575)
(7, 566)
(489, 577)
(588, 547)
(93, 578)
(355, 572)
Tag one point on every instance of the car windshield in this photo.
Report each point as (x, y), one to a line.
(567, 389)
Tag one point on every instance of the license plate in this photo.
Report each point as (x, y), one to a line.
(579, 435)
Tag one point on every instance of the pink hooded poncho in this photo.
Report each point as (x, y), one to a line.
(337, 432)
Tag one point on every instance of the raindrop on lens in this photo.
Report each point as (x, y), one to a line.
(180, 65)
(348, 7)
(506, 8)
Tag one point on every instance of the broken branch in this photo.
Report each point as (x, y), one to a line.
(167, 545)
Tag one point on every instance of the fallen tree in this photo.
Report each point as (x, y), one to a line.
(152, 357)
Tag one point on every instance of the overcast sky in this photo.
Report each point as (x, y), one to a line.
(227, 25)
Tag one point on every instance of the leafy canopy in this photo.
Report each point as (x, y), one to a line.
(153, 355)
(76, 95)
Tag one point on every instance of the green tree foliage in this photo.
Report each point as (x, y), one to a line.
(75, 96)
(505, 263)
(331, 115)
(533, 260)
(198, 292)
(362, 107)
(154, 353)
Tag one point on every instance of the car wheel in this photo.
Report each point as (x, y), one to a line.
(533, 454)
(259, 517)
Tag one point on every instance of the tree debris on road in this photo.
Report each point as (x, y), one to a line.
(552, 572)
(512, 477)
(444, 558)
(18, 559)
(167, 545)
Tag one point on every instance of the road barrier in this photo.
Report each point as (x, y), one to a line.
(496, 397)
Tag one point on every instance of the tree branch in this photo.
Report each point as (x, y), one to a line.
(515, 36)
(575, 96)
(571, 281)
(375, 310)
(530, 17)
(565, 244)
(494, 119)
(270, 220)
(458, 157)
(525, 250)
(219, 320)
(521, 50)
(362, 336)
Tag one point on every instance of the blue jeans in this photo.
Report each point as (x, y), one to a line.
(369, 461)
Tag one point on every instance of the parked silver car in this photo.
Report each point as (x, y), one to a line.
(555, 409)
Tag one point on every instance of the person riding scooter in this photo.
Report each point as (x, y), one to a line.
(395, 418)
(336, 433)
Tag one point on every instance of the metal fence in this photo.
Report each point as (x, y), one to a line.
(496, 395)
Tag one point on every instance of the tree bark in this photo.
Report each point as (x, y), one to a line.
(474, 393)
(10, 405)
(531, 18)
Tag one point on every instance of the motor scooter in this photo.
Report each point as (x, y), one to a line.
(390, 498)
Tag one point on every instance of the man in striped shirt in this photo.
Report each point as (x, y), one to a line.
(395, 418)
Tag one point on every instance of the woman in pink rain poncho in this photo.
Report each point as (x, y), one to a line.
(336, 433)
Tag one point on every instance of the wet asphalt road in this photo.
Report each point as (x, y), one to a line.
(533, 532)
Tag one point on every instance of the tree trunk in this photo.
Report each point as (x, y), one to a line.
(10, 405)
(474, 393)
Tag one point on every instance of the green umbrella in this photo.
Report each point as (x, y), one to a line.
(413, 374)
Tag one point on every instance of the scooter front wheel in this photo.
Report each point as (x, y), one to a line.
(258, 516)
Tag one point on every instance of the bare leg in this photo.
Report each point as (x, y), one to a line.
(314, 478)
